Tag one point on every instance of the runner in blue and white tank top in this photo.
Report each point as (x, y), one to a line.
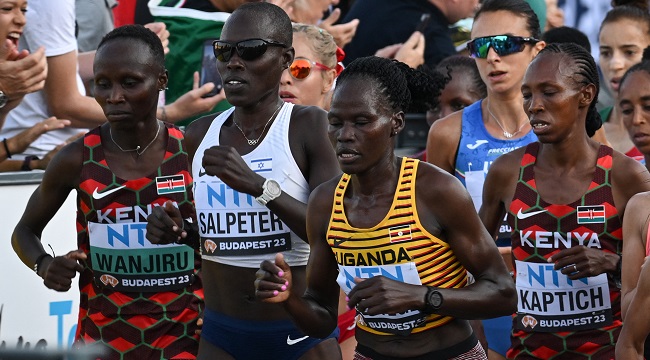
(477, 150)
(466, 143)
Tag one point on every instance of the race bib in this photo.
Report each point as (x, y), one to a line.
(124, 260)
(548, 301)
(235, 224)
(474, 183)
(398, 324)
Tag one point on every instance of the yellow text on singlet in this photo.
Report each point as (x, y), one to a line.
(399, 248)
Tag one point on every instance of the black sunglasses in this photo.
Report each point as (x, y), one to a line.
(249, 49)
(502, 44)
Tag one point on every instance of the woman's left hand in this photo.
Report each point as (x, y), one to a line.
(381, 295)
(580, 261)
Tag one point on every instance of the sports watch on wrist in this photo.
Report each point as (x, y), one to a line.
(270, 191)
(3, 99)
(432, 300)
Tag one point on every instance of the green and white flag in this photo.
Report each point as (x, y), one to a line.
(189, 29)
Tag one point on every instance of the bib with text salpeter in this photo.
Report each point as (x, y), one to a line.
(232, 223)
(124, 260)
(398, 324)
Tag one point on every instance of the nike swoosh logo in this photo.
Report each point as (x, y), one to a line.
(522, 216)
(338, 242)
(476, 144)
(98, 195)
(291, 341)
(351, 327)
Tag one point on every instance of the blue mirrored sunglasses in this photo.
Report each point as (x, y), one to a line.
(502, 44)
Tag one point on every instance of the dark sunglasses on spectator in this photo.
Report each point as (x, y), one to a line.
(301, 68)
(248, 50)
(502, 44)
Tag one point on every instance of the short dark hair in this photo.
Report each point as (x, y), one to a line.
(642, 4)
(586, 70)
(517, 7)
(139, 33)
(275, 18)
(627, 12)
(565, 34)
(406, 89)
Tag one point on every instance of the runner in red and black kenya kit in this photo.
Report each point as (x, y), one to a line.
(565, 197)
(139, 300)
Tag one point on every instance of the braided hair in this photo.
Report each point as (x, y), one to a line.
(585, 72)
(405, 89)
(463, 64)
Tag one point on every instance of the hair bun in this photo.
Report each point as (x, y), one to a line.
(646, 54)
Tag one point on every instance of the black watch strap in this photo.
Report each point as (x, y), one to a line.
(432, 300)
(26, 163)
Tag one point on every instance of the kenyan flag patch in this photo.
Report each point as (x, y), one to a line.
(591, 214)
(170, 184)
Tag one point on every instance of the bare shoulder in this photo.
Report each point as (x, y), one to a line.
(307, 117)
(442, 141)
(323, 194)
(444, 134)
(195, 132)
(437, 181)
(321, 201)
(626, 168)
(640, 201)
(65, 168)
(638, 207)
(449, 126)
(508, 164)
(629, 177)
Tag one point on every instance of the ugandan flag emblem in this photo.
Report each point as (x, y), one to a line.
(399, 233)
(170, 184)
(591, 214)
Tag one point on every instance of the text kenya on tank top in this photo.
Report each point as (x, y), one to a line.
(138, 299)
(556, 315)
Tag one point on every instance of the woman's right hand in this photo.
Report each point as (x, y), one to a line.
(165, 224)
(273, 284)
(60, 271)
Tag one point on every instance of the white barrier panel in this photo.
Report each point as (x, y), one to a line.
(28, 309)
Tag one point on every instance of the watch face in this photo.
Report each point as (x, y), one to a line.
(435, 299)
(3, 99)
(273, 188)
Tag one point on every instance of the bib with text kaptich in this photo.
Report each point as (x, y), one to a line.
(548, 301)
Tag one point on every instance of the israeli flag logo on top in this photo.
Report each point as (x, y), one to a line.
(262, 165)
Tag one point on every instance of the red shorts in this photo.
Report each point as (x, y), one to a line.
(347, 324)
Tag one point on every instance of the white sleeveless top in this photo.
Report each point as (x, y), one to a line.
(235, 229)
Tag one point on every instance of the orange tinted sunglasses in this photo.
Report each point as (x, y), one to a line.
(301, 68)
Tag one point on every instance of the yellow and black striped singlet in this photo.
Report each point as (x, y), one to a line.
(398, 239)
